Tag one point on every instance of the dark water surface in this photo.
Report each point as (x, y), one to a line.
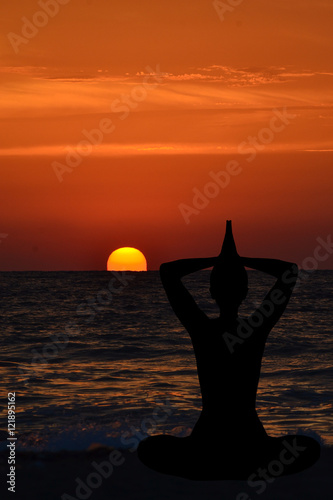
(97, 357)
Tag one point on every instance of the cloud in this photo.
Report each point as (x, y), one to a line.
(243, 77)
(230, 76)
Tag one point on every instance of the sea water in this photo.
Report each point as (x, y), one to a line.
(100, 357)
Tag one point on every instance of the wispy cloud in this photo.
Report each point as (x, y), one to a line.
(243, 77)
(109, 150)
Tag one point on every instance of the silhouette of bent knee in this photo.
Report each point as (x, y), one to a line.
(166, 454)
(187, 458)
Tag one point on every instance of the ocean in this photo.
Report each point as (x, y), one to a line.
(100, 358)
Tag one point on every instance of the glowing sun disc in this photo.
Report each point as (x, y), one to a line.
(127, 259)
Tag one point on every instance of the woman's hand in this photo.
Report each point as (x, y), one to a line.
(228, 246)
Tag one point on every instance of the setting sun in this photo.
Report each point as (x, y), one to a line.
(127, 259)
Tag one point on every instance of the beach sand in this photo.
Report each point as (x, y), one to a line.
(50, 476)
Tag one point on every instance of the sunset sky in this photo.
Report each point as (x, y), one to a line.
(168, 96)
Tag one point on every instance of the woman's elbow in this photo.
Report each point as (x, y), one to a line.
(169, 271)
(164, 271)
(163, 268)
(289, 277)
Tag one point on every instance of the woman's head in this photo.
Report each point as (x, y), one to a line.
(228, 284)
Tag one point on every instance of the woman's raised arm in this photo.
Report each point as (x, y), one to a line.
(179, 268)
(271, 309)
(182, 302)
(274, 267)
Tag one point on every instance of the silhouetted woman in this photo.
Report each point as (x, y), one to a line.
(228, 441)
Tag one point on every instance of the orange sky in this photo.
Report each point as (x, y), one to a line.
(163, 93)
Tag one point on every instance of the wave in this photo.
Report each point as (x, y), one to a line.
(84, 437)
